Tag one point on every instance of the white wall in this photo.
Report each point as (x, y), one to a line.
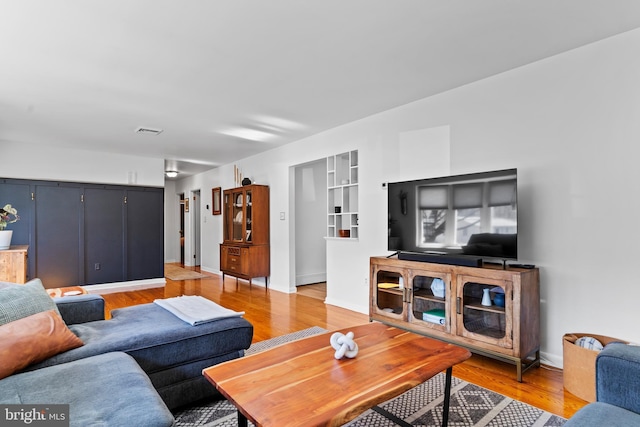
(171, 220)
(26, 161)
(568, 123)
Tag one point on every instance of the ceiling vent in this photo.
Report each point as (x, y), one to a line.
(148, 131)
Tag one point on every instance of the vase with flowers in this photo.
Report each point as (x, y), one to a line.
(8, 215)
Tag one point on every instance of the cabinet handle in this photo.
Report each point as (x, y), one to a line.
(458, 304)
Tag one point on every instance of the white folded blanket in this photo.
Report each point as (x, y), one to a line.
(196, 309)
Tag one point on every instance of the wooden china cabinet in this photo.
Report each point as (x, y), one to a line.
(244, 252)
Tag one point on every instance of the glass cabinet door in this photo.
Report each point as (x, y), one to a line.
(484, 309)
(390, 293)
(228, 216)
(238, 216)
(429, 301)
(248, 216)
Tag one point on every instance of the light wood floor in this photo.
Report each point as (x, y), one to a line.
(316, 290)
(275, 313)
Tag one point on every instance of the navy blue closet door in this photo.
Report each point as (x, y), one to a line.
(103, 235)
(59, 242)
(145, 233)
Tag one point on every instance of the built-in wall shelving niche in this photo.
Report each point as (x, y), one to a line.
(342, 195)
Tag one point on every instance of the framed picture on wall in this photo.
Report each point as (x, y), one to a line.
(215, 201)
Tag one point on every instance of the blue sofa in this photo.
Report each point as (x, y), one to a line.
(617, 390)
(104, 390)
(171, 352)
(132, 369)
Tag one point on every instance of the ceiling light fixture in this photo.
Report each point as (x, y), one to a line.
(171, 174)
(250, 134)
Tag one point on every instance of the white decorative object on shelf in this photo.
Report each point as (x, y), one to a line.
(344, 345)
(437, 287)
(486, 298)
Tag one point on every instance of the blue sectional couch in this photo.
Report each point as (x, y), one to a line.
(617, 390)
(171, 352)
(131, 369)
(105, 390)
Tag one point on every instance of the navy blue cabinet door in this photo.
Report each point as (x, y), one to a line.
(104, 235)
(81, 234)
(145, 233)
(59, 240)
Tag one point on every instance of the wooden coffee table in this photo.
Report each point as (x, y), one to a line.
(302, 384)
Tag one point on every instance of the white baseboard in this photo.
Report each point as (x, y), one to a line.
(347, 305)
(307, 279)
(133, 285)
(208, 270)
(551, 360)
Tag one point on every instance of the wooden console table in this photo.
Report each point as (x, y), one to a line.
(13, 264)
(401, 296)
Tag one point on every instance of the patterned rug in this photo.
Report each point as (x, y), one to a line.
(471, 405)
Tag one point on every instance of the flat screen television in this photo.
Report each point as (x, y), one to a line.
(471, 215)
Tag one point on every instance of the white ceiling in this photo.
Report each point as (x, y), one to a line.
(85, 74)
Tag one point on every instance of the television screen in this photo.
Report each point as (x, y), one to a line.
(468, 215)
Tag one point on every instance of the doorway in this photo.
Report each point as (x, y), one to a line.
(195, 209)
(310, 213)
(181, 209)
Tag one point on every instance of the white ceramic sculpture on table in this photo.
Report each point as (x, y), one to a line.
(344, 345)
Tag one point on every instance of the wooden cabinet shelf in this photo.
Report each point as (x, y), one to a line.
(478, 306)
(426, 295)
(244, 252)
(509, 333)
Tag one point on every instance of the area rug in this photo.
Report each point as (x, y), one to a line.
(471, 405)
(175, 272)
